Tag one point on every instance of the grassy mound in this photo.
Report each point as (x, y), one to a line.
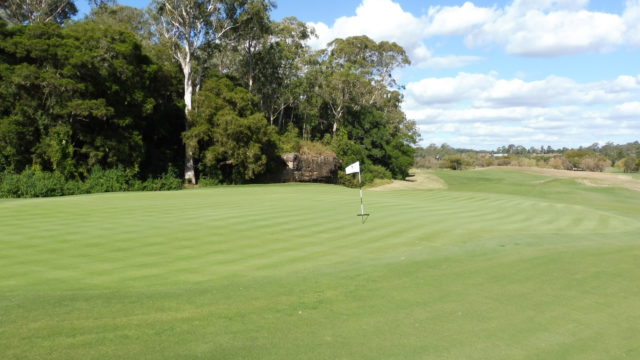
(500, 265)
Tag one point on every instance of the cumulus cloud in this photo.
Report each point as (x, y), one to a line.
(631, 18)
(484, 109)
(456, 20)
(386, 20)
(536, 28)
(550, 28)
(490, 91)
(378, 19)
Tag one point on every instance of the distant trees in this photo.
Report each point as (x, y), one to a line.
(591, 158)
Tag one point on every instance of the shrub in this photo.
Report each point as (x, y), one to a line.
(427, 163)
(34, 183)
(594, 164)
(31, 183)
(168, 181)
(456, 162)
(560, 163)
(315, 148)
(630, 164)
(369, 174)
(209, 182)
(375, 172)
(289, 142)
(110, 180)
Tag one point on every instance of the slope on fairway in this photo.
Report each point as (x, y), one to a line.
(500, 265)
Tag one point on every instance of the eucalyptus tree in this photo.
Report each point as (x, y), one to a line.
(357, 72)
(32, 11)
(280, 66)
(251, 36)
(191, 29)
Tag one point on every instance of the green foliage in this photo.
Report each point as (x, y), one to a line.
(108, 180)
(575, 156)
(231, 139)
(290, 141)
(457, 162)
(79, 96)
(35, 11)
(372, 172)
(32, 183)
(167, 181)
(630, 164)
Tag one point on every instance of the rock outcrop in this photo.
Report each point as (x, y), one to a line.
(310, 168)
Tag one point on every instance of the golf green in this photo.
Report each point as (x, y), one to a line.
(500, 265)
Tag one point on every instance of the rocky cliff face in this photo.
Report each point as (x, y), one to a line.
(310, 168)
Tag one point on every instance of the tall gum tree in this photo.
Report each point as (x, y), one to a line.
(33, 11)
(357, 72)
(192, 28)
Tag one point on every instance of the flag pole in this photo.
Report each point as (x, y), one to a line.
(362, 215)
(361, 197)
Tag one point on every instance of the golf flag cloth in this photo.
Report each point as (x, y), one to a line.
(353, 168)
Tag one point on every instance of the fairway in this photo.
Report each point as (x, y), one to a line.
(499, 264)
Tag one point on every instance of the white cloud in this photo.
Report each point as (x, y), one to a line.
(378, 19)
(485, 110)
(449, 90)
(456, 20)
(386, 20)
(447, 61)
(536, 28)
(489, 91)
(550, 28)
(631, 18)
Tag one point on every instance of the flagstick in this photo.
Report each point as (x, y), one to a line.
(362, 215)
(361, 198)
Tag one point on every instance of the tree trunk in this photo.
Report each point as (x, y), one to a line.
(189, 167)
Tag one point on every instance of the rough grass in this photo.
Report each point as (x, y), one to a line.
(501, 265)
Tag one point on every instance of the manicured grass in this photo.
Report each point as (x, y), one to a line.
(501, 265)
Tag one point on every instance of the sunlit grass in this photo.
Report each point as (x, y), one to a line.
(501, 265)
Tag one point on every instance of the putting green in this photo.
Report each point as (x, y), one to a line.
(500, 265)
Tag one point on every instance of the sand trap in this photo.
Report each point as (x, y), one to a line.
(421, 180)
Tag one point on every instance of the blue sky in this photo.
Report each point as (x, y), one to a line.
(490, 73)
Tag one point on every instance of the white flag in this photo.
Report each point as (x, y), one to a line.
(353, 168)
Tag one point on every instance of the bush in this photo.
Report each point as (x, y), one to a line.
(594, 164)
(456, 162)
(209, 182)
(427, 163)
(629, 164)
(33, 183)
(315, 148)
(110, 180)
(289, 142)
(369, 173)
(560, 163)
(375, 172)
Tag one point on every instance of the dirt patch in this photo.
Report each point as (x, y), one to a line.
(586, 177)
(420, 180)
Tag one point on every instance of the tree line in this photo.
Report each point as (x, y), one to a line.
(596, 157)
(214, 88)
